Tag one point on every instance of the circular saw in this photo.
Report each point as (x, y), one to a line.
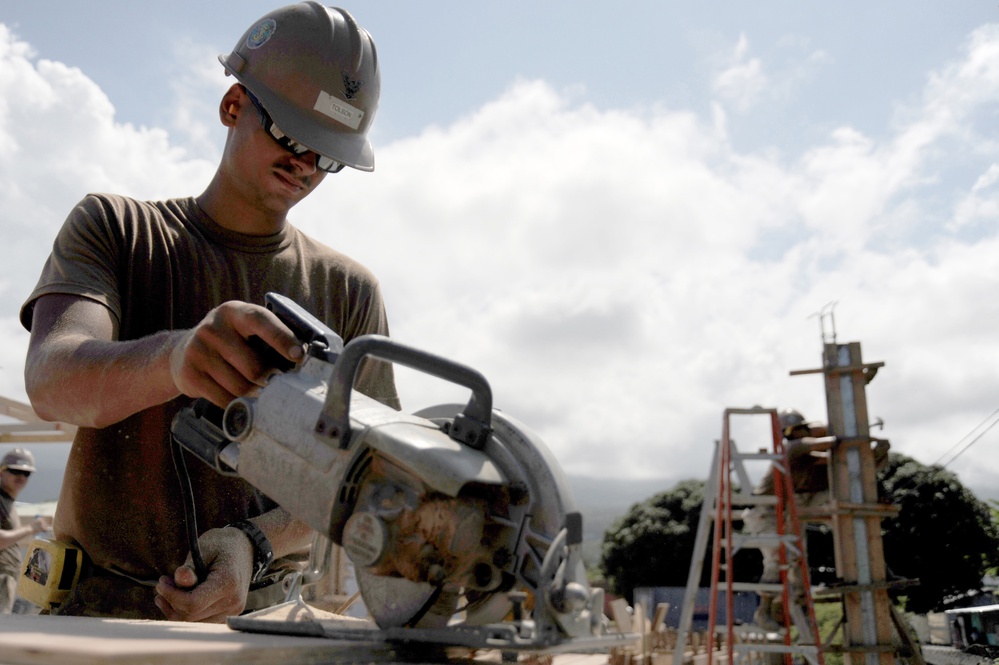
(458, 520)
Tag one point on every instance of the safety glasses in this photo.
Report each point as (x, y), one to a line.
(289, 144)
(19, 472)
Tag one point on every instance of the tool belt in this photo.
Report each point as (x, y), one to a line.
(61, 579)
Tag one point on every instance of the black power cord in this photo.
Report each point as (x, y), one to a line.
(190, 518)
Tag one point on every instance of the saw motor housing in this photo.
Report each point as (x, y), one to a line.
(460, 499)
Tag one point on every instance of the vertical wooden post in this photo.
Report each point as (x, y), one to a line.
(856, 530)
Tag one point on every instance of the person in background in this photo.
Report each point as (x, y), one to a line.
(145, 306)
(809, 474)
(15, 469)
(810, 480)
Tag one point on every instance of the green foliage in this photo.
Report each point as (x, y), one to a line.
(943, 535)
(653, 543)
(829, 616)
(994, 512)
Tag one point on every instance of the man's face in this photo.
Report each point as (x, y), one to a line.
(13, 481)
(275, 178)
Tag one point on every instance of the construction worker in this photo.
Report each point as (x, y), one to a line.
(810, 480)
(15, 469)
(809, 475)
(144, 306)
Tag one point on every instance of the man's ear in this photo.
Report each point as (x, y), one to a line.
(232, 102)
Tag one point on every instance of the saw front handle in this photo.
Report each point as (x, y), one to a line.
(471, 427)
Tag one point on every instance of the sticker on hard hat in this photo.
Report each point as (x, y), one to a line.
(339, 110)
(261, 33)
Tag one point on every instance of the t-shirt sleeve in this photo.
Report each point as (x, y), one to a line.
(83, 261)
(375, 378)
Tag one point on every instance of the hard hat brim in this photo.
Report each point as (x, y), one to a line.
(349, 148)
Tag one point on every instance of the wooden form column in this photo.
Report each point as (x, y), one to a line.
(856, 514)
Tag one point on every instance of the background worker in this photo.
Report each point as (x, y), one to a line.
(15, 469)
(144, 306)
(810, 480)
(809, 474)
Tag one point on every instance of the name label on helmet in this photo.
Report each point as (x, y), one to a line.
(339, 110)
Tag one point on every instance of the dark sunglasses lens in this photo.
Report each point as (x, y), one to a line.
(323, 163)
(329, 165)
(19, 472)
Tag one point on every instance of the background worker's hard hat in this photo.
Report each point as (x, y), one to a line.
(315, 71)
(19, 459)
(789, 419)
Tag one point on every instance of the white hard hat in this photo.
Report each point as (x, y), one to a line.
(19, 459)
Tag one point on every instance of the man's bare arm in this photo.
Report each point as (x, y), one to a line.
(77, 372)
(10, 537)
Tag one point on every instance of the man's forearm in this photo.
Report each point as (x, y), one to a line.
(286, 533)
(95, 383)
(10, 537)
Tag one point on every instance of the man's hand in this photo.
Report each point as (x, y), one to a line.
(41, 523)
(216, 358)
(228, 554)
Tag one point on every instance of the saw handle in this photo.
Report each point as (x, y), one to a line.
(306, 327)
(471, 427)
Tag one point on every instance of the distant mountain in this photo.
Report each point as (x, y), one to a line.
(602, 501)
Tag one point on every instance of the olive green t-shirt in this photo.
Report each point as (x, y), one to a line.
(162, 266)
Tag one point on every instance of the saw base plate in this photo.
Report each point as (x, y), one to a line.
(300, 619)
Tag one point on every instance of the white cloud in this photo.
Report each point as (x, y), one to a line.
(743, 80)
(61, 141)
(192, 98)
(620, 276)
(746, 82)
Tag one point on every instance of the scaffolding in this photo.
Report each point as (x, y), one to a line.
(871, 629)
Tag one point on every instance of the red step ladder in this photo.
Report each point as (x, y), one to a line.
(722, 497)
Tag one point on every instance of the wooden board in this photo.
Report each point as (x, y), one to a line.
(34, 639)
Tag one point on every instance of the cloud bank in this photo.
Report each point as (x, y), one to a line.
(620, 275)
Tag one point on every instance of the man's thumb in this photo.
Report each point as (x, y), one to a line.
(185, 577)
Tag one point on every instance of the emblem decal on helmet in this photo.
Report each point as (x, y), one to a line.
(351, 86)
(261, 33)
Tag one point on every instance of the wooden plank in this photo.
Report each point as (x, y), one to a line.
(34, 639)
(857, 534)
(621, 616)
(660, 617)
(30, 428)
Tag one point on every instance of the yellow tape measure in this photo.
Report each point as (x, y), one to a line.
(50, 571)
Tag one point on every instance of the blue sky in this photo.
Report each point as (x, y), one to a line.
(626, 216)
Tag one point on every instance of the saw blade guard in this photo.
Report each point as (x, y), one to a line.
(546, 554)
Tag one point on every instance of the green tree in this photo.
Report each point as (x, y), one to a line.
(653, 543)
(943, 536)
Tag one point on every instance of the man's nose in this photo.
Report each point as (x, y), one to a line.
(306, 162)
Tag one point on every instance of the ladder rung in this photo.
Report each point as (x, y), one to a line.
(740, 500)
(777, 648)
(744, 499)
(744, 630)
(763, 540)
(757, 456)
(775, 587)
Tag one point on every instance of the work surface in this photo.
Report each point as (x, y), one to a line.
(81, 640)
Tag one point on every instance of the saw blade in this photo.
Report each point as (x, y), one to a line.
(394, 602)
